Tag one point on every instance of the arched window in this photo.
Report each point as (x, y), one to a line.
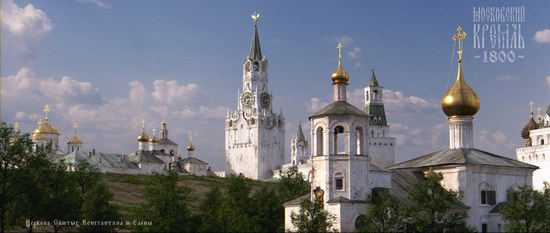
(359, 141)
(367, 95)
(487, 194)
(375, 94)
(542, 141)
(319, 140)
(522, 158)
(339, 140)
(339, 181)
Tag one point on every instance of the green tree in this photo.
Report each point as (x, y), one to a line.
(527, 210)
(61, 197)
(210, 220)
(312, 217)
(16, 156)
(431, 209)
(87, 177)
(164, 205)
(384, 214)
(292, 184)
(269, 212)
(97, 207)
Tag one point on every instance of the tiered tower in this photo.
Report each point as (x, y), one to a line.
(381, 145)
(299, 152)
(254, 134)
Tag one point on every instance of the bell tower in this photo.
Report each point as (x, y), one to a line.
(254, 133)
(381, 145)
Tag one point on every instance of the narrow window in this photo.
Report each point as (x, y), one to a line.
(484, 197)
(339, 181)
(484, 228)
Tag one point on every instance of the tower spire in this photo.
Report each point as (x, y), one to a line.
(373, 80)
(255, 49)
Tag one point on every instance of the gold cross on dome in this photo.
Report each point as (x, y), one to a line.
(142, 123)
(75, 125)
(538, 109)
(339, 47)
(255, 17)
(460, 35)
(16, 126)
(46, 110)
(531, 106)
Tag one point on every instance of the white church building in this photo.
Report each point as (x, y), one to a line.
(342, 168)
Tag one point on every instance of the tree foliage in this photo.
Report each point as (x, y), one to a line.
(384, 214)
(292, 184)
(312, 217)
(527, 210)
(164, 206)
(431, 210)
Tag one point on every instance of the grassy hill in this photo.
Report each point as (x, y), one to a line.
(128, 189)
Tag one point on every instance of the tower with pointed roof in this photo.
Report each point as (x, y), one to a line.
(381, 145)
(254, 133)
(299, 152)
(341, 176)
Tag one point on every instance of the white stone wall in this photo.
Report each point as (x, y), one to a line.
(469, 179)
(538, 155)
(289, 227)
(379, 179)
(346, 214)
(148, 168)
(382, 151)
(196, 169)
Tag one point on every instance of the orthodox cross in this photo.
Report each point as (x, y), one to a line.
(16, 127)
(340, 46)
(460, 35)
(142, 124)
(46, 110)
(75, 126)
(538, 109)
(531, 107)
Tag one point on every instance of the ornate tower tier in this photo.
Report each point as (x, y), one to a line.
(254, 133)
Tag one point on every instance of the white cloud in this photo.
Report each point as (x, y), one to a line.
(23, 27)
(505, 78)
(548, 80)
(109, 124)
(354, 52)
(315, 104)
(396, 102)
(96, 2)
(344, 39)
(542, 36)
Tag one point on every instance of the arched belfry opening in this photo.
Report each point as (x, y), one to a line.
(339, 146)
(319, 141)
(359, 140)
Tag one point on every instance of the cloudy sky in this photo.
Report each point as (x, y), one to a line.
(109, 64)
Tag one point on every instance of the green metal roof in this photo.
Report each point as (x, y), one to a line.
(255, 50)
(339, 108)
(461, 157)
(300, 134)
(376, 111)
(373, 81)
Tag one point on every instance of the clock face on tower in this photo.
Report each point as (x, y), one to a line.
(265, 99)
(247, 100)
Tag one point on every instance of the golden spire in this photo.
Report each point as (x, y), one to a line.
(16, 127)
(190, 147)
(460, 99)
(143, 136)
(340, 75)
(46, 110)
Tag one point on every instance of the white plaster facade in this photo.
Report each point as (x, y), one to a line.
(537, 152)
(254, 133)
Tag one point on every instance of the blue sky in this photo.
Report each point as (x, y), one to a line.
(109, 64)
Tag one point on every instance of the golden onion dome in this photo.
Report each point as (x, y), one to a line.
(340, 75)
(154, 139)
(38, 137)
(190, 147)
(46, 128)
(460, 99)
(75, 140)
(143, 137)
